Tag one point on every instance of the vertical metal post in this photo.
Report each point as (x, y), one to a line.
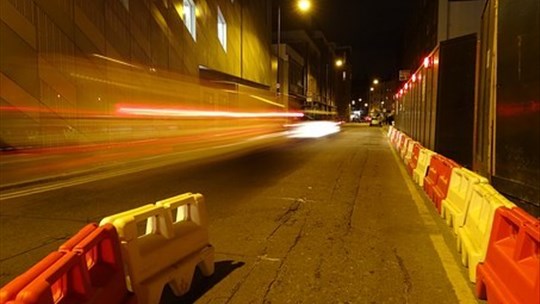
(278, 83)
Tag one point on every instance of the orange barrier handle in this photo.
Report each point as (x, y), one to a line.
(105, 240)
(10, 291)
(66, 280)
(77, 238)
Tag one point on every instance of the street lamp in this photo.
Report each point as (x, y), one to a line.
(375, 81)
(371, 89)
(339, 63)
(303, 6)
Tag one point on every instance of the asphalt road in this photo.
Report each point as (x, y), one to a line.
(333, 220)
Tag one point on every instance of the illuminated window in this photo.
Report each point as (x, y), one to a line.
(344, 75)
(222, 29)
(190, 18)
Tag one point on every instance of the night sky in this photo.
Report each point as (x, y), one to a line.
(373, 28)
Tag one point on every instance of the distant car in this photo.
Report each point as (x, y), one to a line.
(313, 129)
(375, 122)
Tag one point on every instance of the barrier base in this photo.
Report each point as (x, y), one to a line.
(178, 277)
(489, 288)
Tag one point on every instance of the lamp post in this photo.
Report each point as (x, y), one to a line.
(303, 6)
(372, 92)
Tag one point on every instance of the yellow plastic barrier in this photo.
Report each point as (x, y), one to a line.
(473, 236)
(424, 158)
(162, 244)
(455, 205)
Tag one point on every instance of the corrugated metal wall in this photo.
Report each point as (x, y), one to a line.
(517, 137)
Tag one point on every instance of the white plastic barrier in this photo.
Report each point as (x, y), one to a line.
(403, 149)
(163, 243)
(455, 205)
(408, 152)
(390, 132)
(473, 236)
(399, 135)
(424, 158)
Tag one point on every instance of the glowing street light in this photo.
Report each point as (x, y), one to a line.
(375, 81)
(304, 5)
(372, 89)
(339, 63)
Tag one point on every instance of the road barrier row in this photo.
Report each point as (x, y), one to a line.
(499, 242)
(122, 261)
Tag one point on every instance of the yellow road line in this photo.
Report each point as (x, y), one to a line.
(453, 271)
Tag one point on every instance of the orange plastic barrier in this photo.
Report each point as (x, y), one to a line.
(511, 271)
(66, 281)
(438, 179)
(432, 175)
(87, 268)
(413, 161)
(440, 190)
(10, 291)
(100, 248)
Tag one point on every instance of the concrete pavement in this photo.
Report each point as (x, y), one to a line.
(346, 227)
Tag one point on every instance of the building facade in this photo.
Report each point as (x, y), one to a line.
(46, 45)
(308, 72)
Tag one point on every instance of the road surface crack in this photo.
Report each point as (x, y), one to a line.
(406, 276)
(356, 195)
(286, 216)
(278, 271)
